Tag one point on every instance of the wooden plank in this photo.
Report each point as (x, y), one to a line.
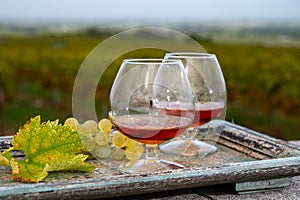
(109, 186)
(262, 185)
(227, 192)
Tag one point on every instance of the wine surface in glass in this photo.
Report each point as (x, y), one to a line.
(175, 108)
(204, 111)
(151, 129)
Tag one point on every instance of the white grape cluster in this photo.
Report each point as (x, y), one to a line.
(102, 142)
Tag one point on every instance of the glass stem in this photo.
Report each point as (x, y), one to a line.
(151, 152)
(189, 134)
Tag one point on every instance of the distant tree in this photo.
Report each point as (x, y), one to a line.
(2, 102)
(92, 31)
(201, 38)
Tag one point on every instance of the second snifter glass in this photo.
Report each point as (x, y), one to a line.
(143, 93)
(208, 84)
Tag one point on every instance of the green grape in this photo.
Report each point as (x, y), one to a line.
(133, 156)
(101, 137)
(89, 142)
(87, 127)
(134, 146)
(71, 121)
(83, 130)
(105, 125)
(102, 151)
(134, 150)
(117, 153)
(91, 124)
(118, 139)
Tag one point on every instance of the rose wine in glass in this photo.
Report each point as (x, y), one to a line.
(151, 129)
(140, 85)
(208, 84)
(206, 111)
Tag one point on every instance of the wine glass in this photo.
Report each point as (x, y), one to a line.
(139, 87)
(208, 84)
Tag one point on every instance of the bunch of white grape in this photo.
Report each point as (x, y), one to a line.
(102, 142)
(124, 146)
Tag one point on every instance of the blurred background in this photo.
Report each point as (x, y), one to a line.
(257, 42)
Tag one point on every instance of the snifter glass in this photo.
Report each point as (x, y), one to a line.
(208, 84)
(151, 102)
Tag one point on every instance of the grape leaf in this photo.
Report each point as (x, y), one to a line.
(47, 146)
(4, 161)
(25, 171)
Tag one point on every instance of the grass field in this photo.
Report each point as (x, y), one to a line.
(37, 75)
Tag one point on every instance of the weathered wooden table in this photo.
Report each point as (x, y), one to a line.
(225, 192)
(247, 165)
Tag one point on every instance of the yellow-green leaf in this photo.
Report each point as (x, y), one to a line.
(71, 163)
(24, 171)
(48, 147)
(5, 158)
(4, 161)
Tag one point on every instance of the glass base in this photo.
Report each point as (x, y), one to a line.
(148, 166)
(187, 147)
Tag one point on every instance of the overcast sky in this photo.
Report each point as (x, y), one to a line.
(151, 9)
